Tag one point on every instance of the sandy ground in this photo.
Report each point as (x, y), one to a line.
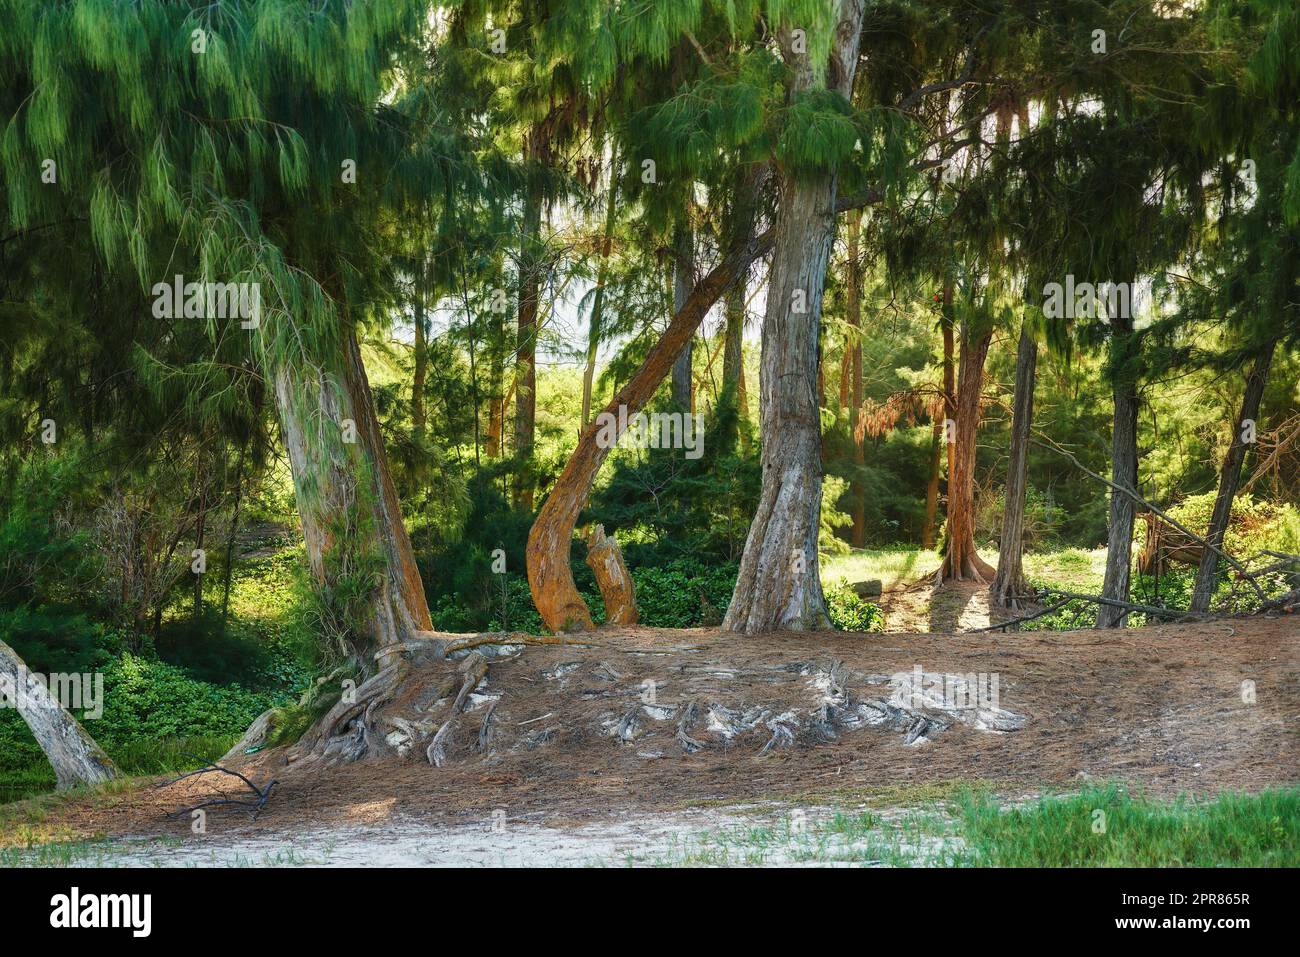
(766, 835)
(588, 741)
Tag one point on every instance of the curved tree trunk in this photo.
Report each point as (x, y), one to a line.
(1009, 586)
(1124, 473)
(351, 519)
(1207, 574)
(779, 583)
(962, 561)
(550, 578)
(73, 753)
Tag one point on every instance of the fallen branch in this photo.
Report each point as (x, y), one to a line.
(1003, 625)
(263, 794)
(1172, 613)
(1138, 499)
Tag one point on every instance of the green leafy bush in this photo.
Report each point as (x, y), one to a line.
(850, 612)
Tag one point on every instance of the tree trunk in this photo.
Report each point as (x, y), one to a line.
(1207, 573)
(779, 584)
(1009, 586)
(526, 341)
(357, 547)
(932, 489)
(605, 559)
(948, 320)
(421, 367)
(200, 531)
(961, 561)
(857, 491)
(683, 283)
(232, 536)
(550, 578)
(598, 297)
(73, 753)
(733, 341)
(1124, 473)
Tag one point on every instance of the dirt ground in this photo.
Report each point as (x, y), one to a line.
(584, 733)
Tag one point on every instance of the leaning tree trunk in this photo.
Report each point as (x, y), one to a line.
(1009, 586)
(73, 753)
(357, 547)
(1124, 473)
(779, 583)
(961, 559)
(1207, 573)
(550, 578)
(683, 282)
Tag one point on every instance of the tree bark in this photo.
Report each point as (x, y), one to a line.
(526, 341)
(857, 491)
(351, 521)
(550, 578)
(1009, 587)
(683, 393)
(1124, 473)
(605, 559)
(779, 583)
(73, 753)
(598, 297)
(421, 365)
(932, 489)
(732, 346)
(962, 561)
(1207, 573)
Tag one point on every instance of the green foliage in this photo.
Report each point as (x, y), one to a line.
(849, 612)
(1236, 830)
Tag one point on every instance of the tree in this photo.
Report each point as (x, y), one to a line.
(779, 583)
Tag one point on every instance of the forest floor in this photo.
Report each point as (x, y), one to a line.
(586, 760)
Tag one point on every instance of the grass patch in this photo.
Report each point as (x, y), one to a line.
(960, 825)
(1109, 827)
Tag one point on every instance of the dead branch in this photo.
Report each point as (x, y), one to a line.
(262, 794)
(1172, 613)
(1004, 625)
(1149, 506)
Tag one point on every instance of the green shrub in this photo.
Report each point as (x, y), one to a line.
(850, 612)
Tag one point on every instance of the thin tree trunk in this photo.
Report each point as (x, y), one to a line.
(73, 753)
(948, 321)
(1124, 473)
(1009, 586)
(932, 489)
(779, 583)
(857, 491)
(683, 284)
(598, 298)
(351, 521)
(1207, 574)
(732, 347)
(526, 342)
(200, 528)
(231, 538)
(421, 366)
(550, 577)
(962, 561)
